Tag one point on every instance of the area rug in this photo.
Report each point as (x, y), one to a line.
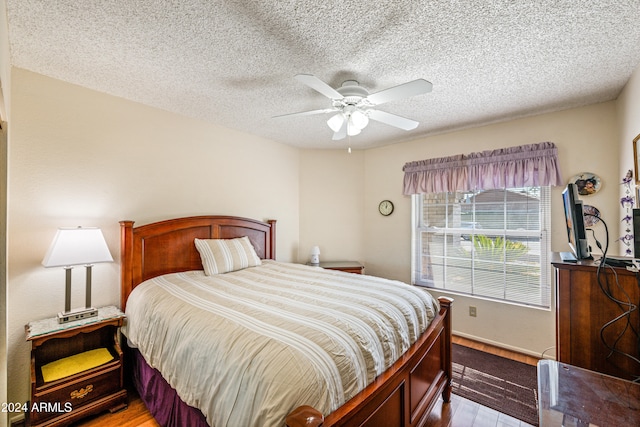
(502, 384)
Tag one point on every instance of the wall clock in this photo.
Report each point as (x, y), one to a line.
(385, 207)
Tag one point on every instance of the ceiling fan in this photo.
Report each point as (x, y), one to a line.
(354, 106)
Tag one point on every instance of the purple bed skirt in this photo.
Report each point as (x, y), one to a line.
(160, 398)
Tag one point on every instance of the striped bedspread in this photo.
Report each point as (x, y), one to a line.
(248, 347)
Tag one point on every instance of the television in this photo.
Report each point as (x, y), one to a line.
(574, 216)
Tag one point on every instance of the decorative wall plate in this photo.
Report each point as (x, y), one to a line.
(589, 220)
(588, 183)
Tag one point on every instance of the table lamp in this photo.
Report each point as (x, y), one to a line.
(315, 256)
(77, 246)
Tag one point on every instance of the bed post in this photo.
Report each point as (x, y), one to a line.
(445, 305)
(126, 275)
(272, 240)
(304, 416)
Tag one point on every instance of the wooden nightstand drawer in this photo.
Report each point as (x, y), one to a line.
(69, 394)
(355, 270)
(346, 266)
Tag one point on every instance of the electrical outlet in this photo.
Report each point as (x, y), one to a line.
(472, 311)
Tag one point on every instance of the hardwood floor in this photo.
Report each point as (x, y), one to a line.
(135, 415)
(459, 412)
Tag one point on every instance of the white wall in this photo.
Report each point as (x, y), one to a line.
(79, 157)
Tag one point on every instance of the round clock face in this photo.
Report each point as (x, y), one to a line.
(385, 207)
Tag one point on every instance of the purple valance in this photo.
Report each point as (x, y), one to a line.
(523, 166)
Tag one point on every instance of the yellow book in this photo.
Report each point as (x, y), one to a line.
(77, 363)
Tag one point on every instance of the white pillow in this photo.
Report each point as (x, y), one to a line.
(224, 255)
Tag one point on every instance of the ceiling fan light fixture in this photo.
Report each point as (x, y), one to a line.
(352, 130)
(359, 119)
(336, 121)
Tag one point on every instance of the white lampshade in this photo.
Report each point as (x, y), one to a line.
(77, 246)
(315, 250)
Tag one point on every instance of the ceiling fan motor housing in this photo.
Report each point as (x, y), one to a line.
(351, 88)
(354, 99)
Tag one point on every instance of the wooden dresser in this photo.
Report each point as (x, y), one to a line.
(583, 308)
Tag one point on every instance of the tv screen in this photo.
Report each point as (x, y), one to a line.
(574, 216)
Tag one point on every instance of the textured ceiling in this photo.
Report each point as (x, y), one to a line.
(233, 62)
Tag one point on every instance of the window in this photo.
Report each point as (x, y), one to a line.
(488, 243)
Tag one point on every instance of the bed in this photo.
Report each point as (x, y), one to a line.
(400, 392)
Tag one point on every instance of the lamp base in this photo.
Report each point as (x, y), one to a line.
(77, 314)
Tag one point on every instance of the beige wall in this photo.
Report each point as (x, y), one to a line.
(5, 64)
(628, 113)
(78, 157)
(586, 139)
(3, 269)
(5, 94)
(628, 105)
(331, 204)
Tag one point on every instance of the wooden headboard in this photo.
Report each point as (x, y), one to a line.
(167, 246)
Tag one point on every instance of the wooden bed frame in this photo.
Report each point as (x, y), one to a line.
(402, 396)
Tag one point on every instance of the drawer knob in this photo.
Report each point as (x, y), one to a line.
(79, 394)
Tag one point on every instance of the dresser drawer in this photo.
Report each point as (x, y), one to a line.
(68, 395)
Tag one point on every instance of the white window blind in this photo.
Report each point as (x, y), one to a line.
(486, 243)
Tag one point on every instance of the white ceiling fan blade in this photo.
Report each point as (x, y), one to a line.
(308, 113)
(393, 120)
(405, 90)
(341, 133)
(316, 84)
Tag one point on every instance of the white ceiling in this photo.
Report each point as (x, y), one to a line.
(233, 62)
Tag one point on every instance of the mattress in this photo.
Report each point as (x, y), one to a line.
(249, 346)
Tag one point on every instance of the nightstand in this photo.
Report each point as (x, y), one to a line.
(348, 266)
(76, 368)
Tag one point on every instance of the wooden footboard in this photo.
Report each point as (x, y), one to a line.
(403, 395)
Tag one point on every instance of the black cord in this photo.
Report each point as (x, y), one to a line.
(627, 307)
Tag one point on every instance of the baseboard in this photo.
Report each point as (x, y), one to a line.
(17, 421)
(544, 355)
